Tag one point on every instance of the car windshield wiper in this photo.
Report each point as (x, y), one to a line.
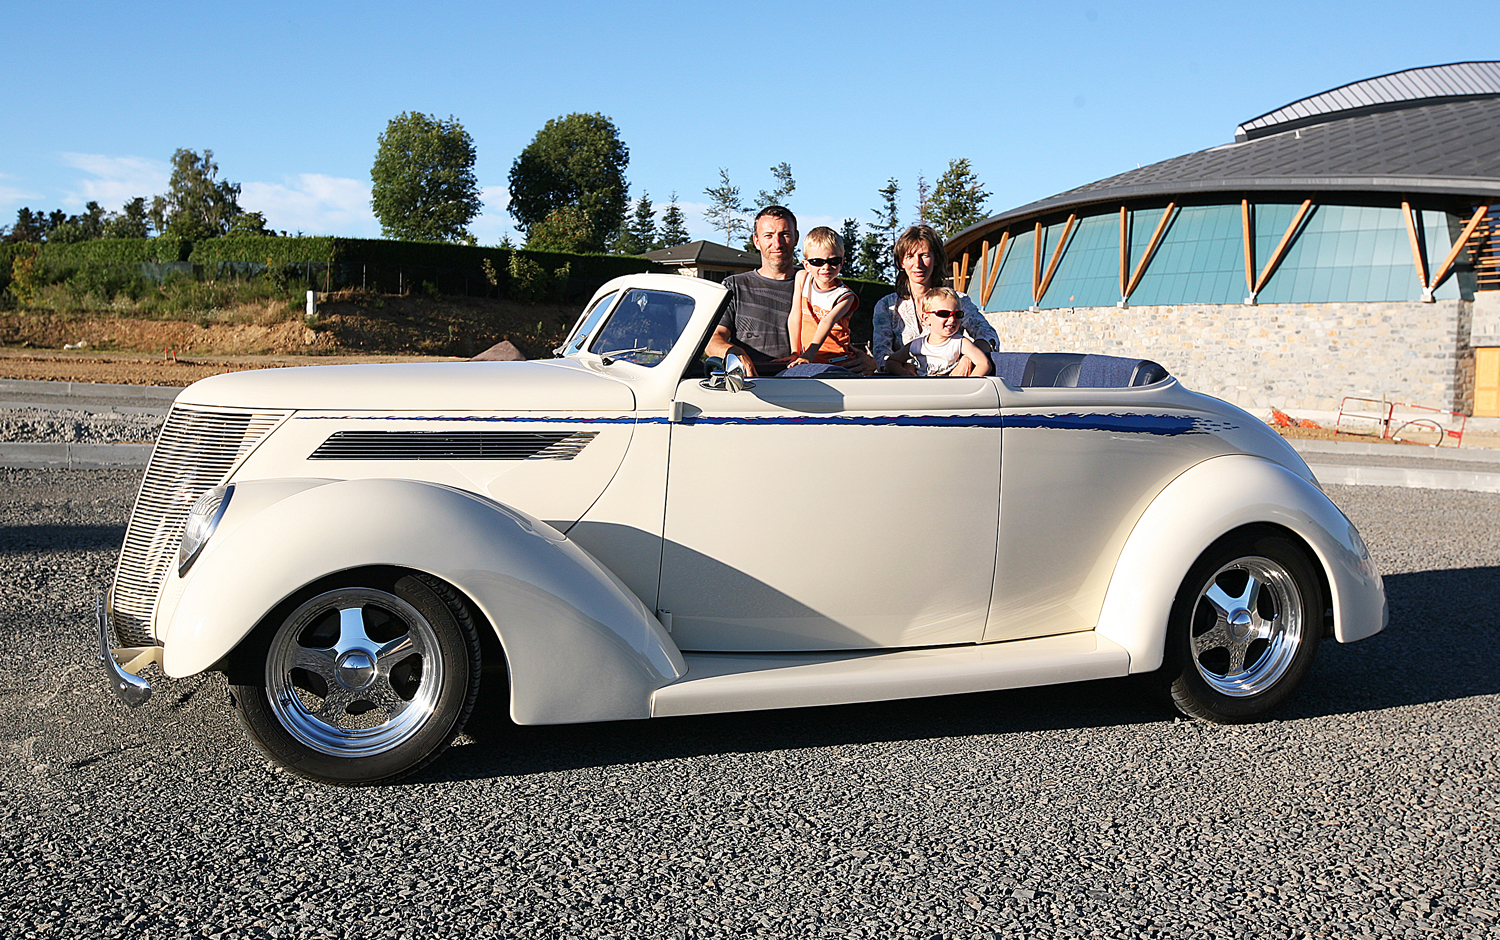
(612, 355)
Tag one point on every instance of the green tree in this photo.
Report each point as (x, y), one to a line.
(198, 204)
(130, 222)
(783, 189)
(726, 213)
(957, 199)
(249, 223)
(849, 232)
(30, 227)
(673, 226)
(83, 227)
(884, 230)
(576, 160)
(422, 182)
(642, 226)
(568, 228)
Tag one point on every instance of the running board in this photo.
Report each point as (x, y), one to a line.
(730, 682)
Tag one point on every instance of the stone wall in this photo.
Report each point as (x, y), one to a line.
(1286, 356)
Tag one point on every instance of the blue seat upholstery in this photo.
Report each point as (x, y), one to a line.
(1075, 370)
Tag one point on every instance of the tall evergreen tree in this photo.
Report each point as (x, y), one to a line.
(726, 213)
(849, 232)
(782, 191)
(642, 226)
(674, 226)
(957, 200)
(885, 229)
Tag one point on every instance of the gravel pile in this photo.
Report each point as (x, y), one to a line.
(48, 426)
(1369, 808)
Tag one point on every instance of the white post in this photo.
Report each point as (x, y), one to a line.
(312, 304)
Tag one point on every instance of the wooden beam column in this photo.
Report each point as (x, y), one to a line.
(1140, 267)
(1249, 250)
(1281, 246)
(1458, 246)
(1418, 257)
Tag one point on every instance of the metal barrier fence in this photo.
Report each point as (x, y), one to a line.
(1399, 421)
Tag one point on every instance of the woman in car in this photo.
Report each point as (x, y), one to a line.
(920, 266)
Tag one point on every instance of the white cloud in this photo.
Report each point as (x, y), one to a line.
(314, 204)
(114, 181)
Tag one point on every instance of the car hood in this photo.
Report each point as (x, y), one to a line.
(550, 385)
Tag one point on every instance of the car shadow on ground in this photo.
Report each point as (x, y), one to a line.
(17, 539)
(1442, 644)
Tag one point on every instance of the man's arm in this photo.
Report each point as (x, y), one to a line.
(721, 344)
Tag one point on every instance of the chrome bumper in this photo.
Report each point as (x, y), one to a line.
(131, 688)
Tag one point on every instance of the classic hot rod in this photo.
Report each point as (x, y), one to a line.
(628, 530)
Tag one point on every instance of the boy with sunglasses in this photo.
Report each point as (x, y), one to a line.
(818, 323)
(945, 345)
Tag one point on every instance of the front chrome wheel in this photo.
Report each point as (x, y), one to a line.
(361, 683)
(1244, 628)
(1247, 626)
(354, 672)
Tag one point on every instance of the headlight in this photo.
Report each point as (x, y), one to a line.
(202, 519)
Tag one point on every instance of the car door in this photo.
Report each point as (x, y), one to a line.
(826, 514)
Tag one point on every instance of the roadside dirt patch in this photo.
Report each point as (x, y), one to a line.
(347, 323)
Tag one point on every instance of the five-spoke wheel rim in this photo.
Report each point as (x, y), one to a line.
(354, 672)
(1247, 626)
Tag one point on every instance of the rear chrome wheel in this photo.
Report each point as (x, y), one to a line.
(364, 683)
(1245, 628)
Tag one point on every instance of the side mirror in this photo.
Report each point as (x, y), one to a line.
(734, 374)
(727, 374)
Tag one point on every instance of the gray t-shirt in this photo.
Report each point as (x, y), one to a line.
(757, 313)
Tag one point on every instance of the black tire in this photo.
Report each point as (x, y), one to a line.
(362, 683)
(1244, 628)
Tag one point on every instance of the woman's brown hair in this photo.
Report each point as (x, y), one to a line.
(910, 239)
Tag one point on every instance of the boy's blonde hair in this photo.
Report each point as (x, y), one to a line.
(948, 294)
(823, 237)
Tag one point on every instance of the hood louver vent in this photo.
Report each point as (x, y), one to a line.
(453, 445)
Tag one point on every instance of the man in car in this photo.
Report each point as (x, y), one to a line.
(754, 324)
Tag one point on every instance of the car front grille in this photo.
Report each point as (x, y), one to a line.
(196, 450)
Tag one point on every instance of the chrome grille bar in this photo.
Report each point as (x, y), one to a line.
(197, 449)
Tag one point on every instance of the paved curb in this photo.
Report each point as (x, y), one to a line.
(1342, 475)
(1360, 449)
(70, 456)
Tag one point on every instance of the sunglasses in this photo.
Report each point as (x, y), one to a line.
(819, 262)
(944, 314)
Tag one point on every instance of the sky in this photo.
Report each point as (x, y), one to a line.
(1040, 97)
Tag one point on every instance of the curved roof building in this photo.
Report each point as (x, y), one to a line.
(1367, 203)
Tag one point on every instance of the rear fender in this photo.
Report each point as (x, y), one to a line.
(1207, 501)
(579, 645)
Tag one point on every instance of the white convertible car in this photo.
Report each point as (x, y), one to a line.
(629, 531)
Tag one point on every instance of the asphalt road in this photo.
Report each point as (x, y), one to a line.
(1369, 808)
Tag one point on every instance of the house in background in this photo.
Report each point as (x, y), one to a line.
(708, 260)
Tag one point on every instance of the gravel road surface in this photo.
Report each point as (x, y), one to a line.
(1368, 809)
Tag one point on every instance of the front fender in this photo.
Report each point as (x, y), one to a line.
(580, 646)
(1213, 498)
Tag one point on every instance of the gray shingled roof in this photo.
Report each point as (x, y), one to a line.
(1444, 147)
(1455, 80)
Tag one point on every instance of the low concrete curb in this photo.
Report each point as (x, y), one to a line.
(69, 456)
(1342, 475)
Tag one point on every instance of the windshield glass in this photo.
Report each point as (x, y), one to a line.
(586, 325)
(644, 326)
